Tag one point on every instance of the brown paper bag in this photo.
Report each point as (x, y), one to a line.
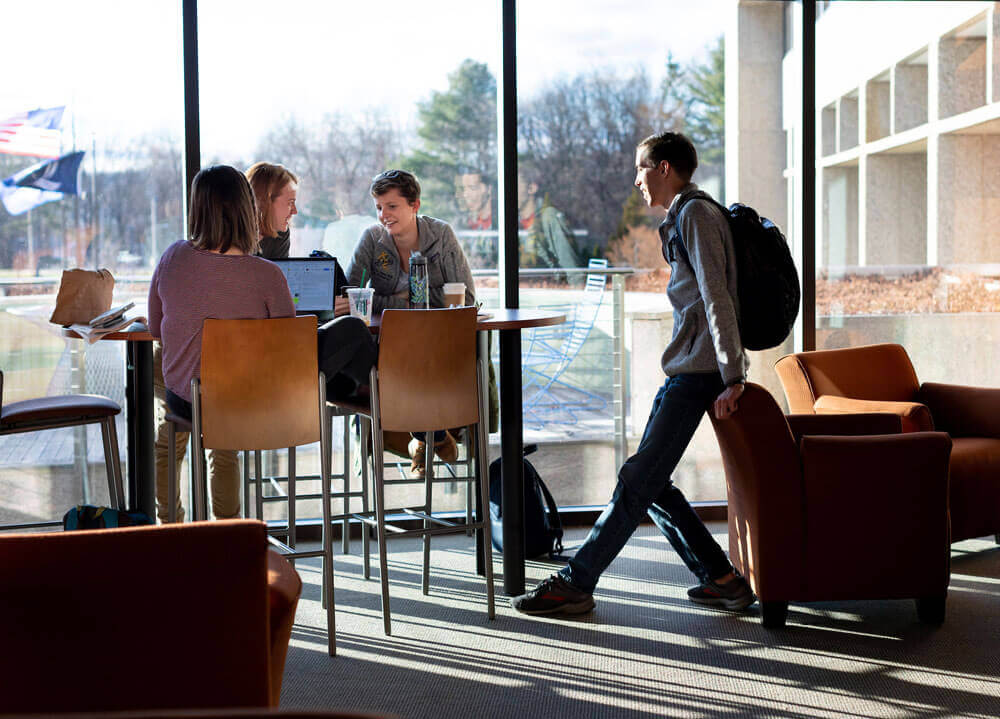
(83, 294)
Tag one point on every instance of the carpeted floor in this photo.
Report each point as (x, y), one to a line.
(644, 652)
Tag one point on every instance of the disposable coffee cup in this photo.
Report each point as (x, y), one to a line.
(454, 294)
(359, 299)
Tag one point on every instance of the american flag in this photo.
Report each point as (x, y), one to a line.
(34, 133)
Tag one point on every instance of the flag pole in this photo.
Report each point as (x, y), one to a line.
(93, 202)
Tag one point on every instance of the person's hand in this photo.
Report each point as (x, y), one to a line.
(725, 403)
(341, 306)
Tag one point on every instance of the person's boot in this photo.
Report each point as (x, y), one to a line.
(447, 449)
(418, 452)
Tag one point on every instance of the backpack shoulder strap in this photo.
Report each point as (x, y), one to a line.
(554, 522)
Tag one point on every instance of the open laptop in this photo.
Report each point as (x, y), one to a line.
(313, 281)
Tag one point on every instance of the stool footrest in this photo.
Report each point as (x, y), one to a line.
(429, 518)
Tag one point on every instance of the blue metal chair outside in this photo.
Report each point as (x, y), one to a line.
(548, 397)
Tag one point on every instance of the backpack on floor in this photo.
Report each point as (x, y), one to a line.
(767, 283)
(86, 516)
(542, 528)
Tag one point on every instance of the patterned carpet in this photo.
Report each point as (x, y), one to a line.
(644, 652)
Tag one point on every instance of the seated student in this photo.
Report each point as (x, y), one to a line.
(383, 255)
(212, 274)
(215, 275)
(275, 189)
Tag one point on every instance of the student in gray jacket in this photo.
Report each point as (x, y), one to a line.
(383, 257)
(705, 366)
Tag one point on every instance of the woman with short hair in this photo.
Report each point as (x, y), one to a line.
(383, 256)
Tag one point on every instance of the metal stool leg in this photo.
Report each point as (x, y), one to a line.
(291, 499)
(366, 530)
(116, 489)
(428, 496)
(258, 469)
(345, 539)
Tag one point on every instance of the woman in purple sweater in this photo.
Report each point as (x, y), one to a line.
(213, 274)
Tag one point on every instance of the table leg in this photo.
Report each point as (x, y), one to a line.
(139, 416)
(512, 456)
(482, 467)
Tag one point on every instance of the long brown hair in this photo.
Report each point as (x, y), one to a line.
(268, 180)
(222, 213)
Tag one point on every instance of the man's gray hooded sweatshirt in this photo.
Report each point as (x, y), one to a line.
(702, 290)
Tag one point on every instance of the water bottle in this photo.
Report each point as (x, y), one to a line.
(419, 296)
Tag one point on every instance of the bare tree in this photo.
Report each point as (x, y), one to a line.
(335, 158)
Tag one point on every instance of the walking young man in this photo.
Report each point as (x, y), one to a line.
(705, 366)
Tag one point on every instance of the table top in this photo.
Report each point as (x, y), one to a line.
(504, 319)
(500, 319)
(136, 332)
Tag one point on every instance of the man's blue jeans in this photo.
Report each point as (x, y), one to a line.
(644, 485)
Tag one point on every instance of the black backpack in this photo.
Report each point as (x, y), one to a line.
(542, 528)
(767, 282)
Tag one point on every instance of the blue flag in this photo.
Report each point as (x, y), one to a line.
(44, 182)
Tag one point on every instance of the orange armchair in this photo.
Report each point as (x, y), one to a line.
(817, 517)
(146, 618)
(881, 378)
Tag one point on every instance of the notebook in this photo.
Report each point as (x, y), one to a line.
(312, 282)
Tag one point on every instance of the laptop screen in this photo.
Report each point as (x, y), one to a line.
(312, 282)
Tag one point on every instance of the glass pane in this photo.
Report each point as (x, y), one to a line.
(346, 91)
(586, 99)
(113, 92)
(907, 239)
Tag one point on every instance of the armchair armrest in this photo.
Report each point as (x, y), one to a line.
(894, 489)
(915, 417)
(963, 411)
(844, 424)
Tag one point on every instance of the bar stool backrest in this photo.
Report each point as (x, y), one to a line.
(427, 369)
(259, 383)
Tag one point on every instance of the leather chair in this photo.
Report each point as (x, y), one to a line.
(881, 378)
(819, 517)
(170, 617)
(68, 410)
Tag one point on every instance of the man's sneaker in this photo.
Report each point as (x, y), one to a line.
(734, 595)
(554, 596)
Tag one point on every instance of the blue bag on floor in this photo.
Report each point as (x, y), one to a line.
(86, 516)
(542, 527)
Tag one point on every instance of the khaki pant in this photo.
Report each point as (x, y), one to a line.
(223, 464)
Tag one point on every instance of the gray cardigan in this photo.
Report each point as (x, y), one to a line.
(702, 291)
(377, 253)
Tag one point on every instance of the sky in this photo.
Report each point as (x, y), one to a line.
(117, 63)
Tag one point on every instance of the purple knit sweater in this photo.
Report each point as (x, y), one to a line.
(190, 286)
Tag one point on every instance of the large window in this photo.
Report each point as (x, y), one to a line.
(907, 241)
(108, 79)
(587, 97)
(339, 92)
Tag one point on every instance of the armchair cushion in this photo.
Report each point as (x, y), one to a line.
(914, 416)
(843, 424)
(963, 411)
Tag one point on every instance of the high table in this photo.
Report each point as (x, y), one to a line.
(138, 415)
(509, 323)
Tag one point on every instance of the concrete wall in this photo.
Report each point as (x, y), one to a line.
(969, 199)
(896, 213)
